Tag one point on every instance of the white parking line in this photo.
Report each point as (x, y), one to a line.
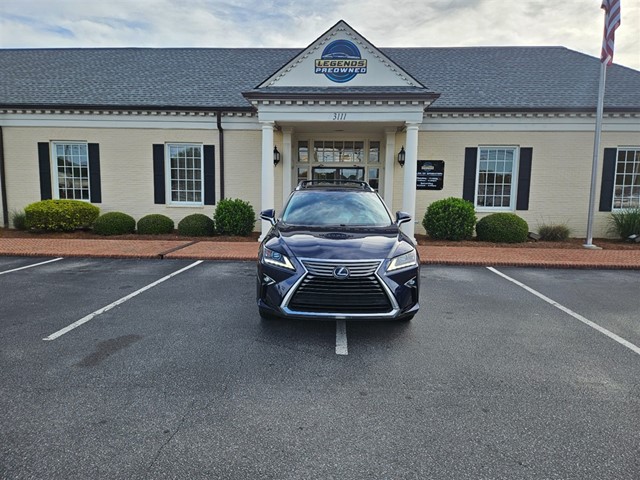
(341, 338)
(30, 266)
(84, 320)
(575, 315)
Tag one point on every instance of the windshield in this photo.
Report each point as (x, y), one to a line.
(344, 208)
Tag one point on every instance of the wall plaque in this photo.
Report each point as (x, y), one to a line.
(430, 175)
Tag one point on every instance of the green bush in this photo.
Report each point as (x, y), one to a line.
(502, 228)
(114, 223)
(196, 225)
(554, 233)
(60, 215)
(155, 224)
(19, 220)
(450, 219)
(625, 222)
(234, 217)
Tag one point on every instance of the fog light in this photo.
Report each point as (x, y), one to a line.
(267, 280)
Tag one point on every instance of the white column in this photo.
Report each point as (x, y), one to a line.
(410, 174)
(267, 173)
(287, 165)
(389, 167)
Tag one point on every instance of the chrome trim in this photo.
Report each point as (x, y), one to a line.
(395, 309)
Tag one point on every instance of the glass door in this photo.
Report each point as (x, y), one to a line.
(338, 173)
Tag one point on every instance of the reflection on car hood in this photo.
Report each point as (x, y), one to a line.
(340, 243)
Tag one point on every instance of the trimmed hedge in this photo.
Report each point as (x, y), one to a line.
(114, 223)
(196, 225)
(450, 219)
(60, 215)
(155, 224)
(502, 228)
(234, 217)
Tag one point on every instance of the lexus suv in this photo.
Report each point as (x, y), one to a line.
(337, 254)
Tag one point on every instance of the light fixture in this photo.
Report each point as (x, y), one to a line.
(401, 156)
(276, 156)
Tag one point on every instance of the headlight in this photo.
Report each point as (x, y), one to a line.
(403, 261)
(278, 259)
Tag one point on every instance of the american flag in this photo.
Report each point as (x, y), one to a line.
(611, 22)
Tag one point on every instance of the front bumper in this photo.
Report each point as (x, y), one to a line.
(376, 295)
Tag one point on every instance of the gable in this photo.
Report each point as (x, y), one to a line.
(341, 57)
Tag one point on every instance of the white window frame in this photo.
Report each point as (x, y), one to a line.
(168, 178)
(56, 178)
(514, 179)
(622, 198)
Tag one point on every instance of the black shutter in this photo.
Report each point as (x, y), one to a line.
(524, 178)
(94, 173)
(45, 170)
(469, 184)
(158, 174)
(209, 175)
(608, 179)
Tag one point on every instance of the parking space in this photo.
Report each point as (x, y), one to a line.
(184, 380)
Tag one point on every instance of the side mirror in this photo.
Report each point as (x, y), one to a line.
(269, 216)
(402, 217)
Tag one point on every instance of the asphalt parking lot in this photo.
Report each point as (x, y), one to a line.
(181, 379)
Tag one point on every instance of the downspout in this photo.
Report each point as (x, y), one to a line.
(221, 151)
(3, 184)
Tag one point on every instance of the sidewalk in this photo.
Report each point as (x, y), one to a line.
(207, 250)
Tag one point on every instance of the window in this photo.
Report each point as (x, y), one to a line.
(72, 170)
(184, 173)
(626, 192)
(495, 187)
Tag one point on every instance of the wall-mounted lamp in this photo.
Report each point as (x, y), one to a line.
(276, 156)
(401, 157)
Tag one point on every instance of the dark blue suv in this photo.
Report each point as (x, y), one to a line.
(337, 254)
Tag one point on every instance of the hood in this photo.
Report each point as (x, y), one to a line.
(338, 244)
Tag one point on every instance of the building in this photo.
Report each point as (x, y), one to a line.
(173, 131)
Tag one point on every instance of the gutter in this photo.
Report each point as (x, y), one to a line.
(3, 184)
(221, 148)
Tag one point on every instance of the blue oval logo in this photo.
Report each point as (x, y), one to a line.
(341, 62)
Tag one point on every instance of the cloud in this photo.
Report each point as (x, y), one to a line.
(575, 24)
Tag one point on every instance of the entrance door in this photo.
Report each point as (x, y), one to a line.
(338, 173)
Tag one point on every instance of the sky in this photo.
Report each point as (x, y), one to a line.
(575, 24)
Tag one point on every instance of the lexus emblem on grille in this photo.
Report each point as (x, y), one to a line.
(341, 273)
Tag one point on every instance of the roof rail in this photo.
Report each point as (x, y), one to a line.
(336, 183)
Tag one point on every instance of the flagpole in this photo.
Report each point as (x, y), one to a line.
(596, 150)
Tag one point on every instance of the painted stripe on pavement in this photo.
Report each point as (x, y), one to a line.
(30, 266)
(91, 316)
(575, 315)
(341, 338)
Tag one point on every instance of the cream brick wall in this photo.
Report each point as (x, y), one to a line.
(560, 174)
(561, 169)
(126, 165)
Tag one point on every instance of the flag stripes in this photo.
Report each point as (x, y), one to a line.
(611, 22)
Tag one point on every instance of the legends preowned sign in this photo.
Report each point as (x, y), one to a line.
(341, 62)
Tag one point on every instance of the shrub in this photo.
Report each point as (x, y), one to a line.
(114, 223)
(60, 215)
(554, 233)
(450, 219)
(196, 225)
(625, 222)
(234, 217)
(502, 228)
(155, 224)
(19, 220)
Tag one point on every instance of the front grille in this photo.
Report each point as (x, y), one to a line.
(320, 291)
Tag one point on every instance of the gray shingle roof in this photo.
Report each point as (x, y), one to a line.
(473, 78)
